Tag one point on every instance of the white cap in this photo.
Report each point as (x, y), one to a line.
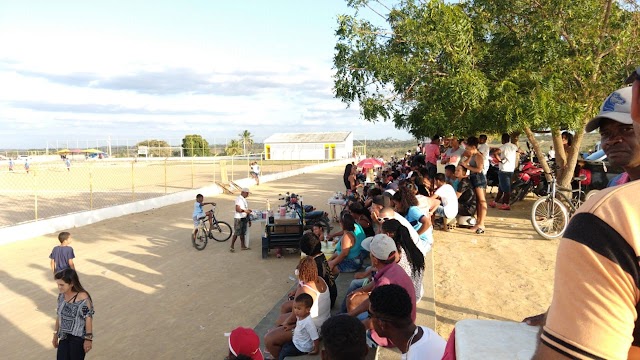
(380, 246)
(616, 107)
(245, 190)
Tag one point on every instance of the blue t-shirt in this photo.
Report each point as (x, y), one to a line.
(413, 217)
(197, 210)
(61, 256)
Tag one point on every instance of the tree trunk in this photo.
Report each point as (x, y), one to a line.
(542, 159)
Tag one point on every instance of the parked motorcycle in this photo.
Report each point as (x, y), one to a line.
(529, 178)
(309, 215)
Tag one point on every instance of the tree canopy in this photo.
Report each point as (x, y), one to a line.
(158, 148)
(485, 65)
(195, 145)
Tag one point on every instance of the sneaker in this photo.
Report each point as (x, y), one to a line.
(505, 207)
(493, 204)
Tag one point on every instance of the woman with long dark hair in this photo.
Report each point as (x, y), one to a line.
(347, 255)
(73, 335)
(409, 257)
(407, 205)
(345, 177)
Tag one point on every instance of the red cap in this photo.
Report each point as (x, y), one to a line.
(245, 341)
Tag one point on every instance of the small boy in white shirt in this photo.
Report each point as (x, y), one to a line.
(305, 335)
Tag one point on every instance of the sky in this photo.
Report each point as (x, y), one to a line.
(87, 71)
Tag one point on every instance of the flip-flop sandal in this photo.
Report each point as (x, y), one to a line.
(480, 231)
(232, 250)
(246, 248)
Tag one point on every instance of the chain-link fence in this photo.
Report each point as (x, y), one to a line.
(52, 186)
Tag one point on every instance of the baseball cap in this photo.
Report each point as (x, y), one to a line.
(381, 246)
(616, 107)
(245, 341)
(635, 75)
(245, 190)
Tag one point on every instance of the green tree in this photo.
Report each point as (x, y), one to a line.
(488, 65)
(159, 148)
(246, 138)
(195, 145)
(234, 148)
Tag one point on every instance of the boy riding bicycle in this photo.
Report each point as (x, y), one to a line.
(199, 213)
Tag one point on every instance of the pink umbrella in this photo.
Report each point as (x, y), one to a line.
(370, 163)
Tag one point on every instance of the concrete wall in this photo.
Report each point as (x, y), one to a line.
(53, 225)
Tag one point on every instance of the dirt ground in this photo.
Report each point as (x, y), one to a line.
(156, 297)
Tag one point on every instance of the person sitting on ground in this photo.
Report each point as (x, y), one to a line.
(347, 256)
(444, 200)
(389, 213)
(449, 178)
(465, 193)
(383, 256)
(408, 256)
(309, 283)
(390, 312)
(244, 344)
(344, 338)
(199, 213)
(311, 245)
(424, 203)
(406, 204)
(370, 195)
(305, 335)
(363, 218)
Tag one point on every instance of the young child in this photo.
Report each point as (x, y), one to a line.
(305, 335)
(198, 213)
(62, 255)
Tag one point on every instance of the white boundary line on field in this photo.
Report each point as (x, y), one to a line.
(48, 226)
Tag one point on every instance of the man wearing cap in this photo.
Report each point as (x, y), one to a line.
(594, 310)
(382, 251)
(618, 138)
(244, 342)
(241, 220)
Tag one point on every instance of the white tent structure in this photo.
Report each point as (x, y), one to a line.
(309, 146)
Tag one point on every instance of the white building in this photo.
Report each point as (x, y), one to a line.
(309, 146)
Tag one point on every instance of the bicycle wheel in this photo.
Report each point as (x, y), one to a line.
(200, 240)
(549, 217)
(221, 231)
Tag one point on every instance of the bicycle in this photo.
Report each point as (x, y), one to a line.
(220, 231)
(550, 214)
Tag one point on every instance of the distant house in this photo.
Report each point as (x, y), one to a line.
(309, 146)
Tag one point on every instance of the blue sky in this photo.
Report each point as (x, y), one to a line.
(87, 70)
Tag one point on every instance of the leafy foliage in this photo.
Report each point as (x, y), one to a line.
(195, 145)
(234, 148)
(158, 148)
(485, 65)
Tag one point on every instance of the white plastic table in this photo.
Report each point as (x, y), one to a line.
(333, 202)
(496, 340)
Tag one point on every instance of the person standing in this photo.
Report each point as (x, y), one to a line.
(68, 163)
(241, 220)
(454, 153)
(62, 255)
(475, 164)
(255, 172)
(10, 164)
(26, 165)
(507, 166)
(73, 335)
(484, 149)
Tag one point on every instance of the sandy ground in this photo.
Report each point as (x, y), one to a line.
(504, 274)
(156, 297)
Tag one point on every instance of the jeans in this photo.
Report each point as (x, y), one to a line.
(504, 181)
(71, 348)
(289, 349)
(355, 285)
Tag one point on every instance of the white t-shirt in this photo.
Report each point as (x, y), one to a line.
(454, 155)
(449, 200)
(242, 202)
(304, 334)
(255, 168)
(484, 150)
(508, 156)
(429, 347)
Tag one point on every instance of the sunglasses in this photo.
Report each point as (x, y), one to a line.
(635, 75)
